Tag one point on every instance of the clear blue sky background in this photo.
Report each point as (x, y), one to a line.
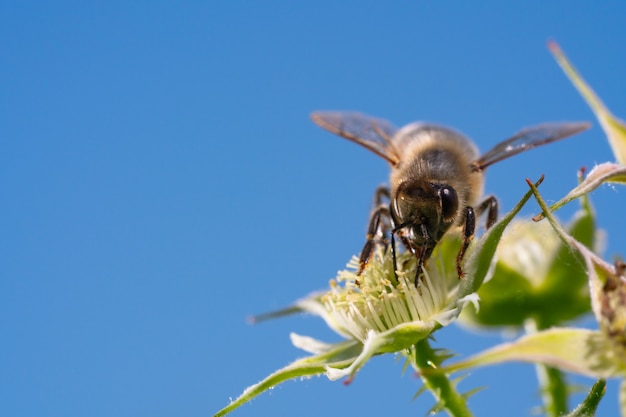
(161, 181)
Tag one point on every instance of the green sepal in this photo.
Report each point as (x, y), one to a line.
(510, 299)
(607, 172)
(396, 339)
(614, 128)
(581, 351)
(479, 261)
(338, 356)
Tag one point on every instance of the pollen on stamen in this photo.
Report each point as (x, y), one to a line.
(383, 301)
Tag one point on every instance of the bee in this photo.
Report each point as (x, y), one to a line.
(436, 181)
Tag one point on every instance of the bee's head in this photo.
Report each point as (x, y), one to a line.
(419, 205)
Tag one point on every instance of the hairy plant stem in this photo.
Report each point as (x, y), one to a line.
(426, 361)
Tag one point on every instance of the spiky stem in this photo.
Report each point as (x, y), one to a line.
(426, 360)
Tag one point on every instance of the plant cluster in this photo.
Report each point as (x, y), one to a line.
(533, 275)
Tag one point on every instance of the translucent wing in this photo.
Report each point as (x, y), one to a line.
(369, 132)
(529, 138)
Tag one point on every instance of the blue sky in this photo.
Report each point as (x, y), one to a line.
(161, 182)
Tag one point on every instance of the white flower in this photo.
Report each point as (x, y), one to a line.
(379, 312)
(374, 302)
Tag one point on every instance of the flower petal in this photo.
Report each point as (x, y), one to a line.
(313, 305)
(310, 345)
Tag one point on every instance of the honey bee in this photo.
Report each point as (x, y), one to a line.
(436, 182)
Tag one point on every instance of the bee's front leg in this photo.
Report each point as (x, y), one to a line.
(378, 227)
(375, 231)
(424, 253)
(468, 234)
(489, 204)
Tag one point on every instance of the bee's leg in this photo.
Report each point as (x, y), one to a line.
(381, 198)
(468, 235)
(490, 204)
(421, 253)
(406, 244)
(393, 254)
(376, 229)
(424, 251)
(382, 193)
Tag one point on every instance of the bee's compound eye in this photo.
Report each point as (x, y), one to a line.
(449, 202)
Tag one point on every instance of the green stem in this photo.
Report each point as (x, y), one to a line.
(426, 362)
(553, 390)
(551, 383)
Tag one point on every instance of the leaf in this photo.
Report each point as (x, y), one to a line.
(614, 128)
(565, 269)
(479, 261)
(504, 300)
(536, 276)
(598, 270)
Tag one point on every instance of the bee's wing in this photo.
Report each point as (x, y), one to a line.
(529, 138)
(369, 132)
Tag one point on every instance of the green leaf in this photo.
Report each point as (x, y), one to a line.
(566, 269)
(480, 258)
(537, 276)
(563, 295)
(337, 356)
(504, 300)
(599, 272)
(614, 128)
